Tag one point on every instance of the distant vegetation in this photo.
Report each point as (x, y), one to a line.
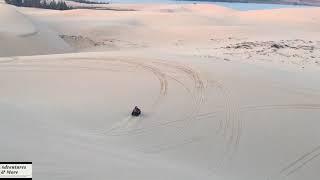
(89, 2)
(57, 5)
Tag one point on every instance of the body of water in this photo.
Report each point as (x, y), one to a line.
(236, 6)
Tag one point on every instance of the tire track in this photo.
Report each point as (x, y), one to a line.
(276, 107)
(198, 87)
(281, 106)
(145, 66)
(160, 76)
(304, 159)
(231, 126)
(166, 147)
(232, 121)
(299, 163)
(166, 124)
(303, 164)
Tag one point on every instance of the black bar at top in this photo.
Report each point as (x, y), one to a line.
(15, 162)
(15, 178)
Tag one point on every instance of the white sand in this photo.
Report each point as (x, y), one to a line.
(20, 35)
(225, 95)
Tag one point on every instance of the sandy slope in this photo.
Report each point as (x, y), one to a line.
(21, 36)
(216, 102)
(202, 118)
(195, 30)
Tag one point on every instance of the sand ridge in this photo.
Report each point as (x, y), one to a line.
(195, 29)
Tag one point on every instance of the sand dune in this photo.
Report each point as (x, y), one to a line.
(22, 36)
(201, 119)
(23, 27)
(196, 30)
(225, 95)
